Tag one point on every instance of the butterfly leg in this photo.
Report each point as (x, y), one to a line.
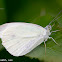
(45, 47)
(53, 40)
(55, 31)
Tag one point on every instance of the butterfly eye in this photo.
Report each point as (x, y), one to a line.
(49, 27)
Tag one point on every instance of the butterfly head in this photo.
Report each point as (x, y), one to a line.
(48, 28)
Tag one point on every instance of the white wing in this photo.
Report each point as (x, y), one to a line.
(20, 38)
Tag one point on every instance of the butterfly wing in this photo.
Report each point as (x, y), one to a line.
(20, 38)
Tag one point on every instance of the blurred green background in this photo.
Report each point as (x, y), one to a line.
(39, 12)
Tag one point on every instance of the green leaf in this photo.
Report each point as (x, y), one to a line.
(53, 51)
(37, 12)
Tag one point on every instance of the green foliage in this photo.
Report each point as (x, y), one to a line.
(37, 12)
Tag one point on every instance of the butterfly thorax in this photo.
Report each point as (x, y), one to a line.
(48, 28)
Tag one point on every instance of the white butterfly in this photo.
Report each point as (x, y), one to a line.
(20, 38)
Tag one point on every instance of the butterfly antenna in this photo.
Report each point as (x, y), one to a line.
(58, 17)
(55, 17)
